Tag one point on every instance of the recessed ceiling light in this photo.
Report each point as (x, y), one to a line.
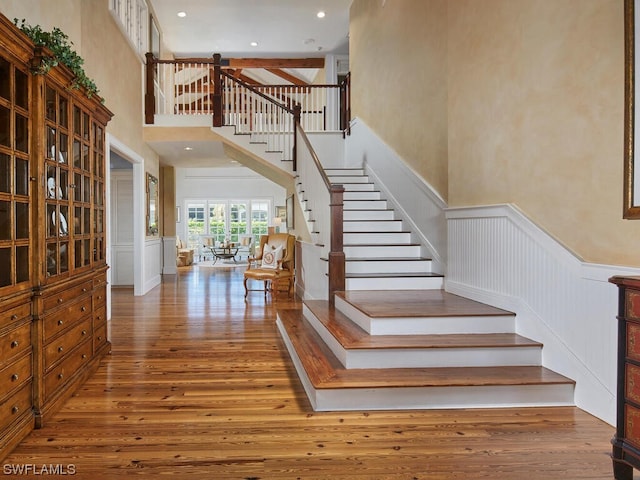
(188, 149)
(182, 14)
(320, 14)
(254, 44)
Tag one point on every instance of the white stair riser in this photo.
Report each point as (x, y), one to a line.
(372, 226)
(342, 179)
(361, 195)
(388, 266)
(427, 398)
(333, 172)
(378, 238)
(397, 283)
(426, 325)
(382, 251)
(358, 187)
(365, 204)
(444, 357)
(368, 215)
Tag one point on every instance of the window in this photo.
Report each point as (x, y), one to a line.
(132, 16)
(226, 219)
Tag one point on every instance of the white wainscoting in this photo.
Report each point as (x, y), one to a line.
(498, 256)
(122, 257)
(152, 263)
(312, 282)
(415, 201)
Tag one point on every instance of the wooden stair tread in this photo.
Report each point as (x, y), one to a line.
(416, 303)
(325, 371)
(351, 336)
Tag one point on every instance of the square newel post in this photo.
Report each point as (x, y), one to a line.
(336, 253)
(297, 115)
(149, 94)
(217, 90)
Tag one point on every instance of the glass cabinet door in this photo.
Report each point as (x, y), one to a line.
(58, 175)
(15, 190)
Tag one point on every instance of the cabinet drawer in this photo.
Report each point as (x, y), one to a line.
(58, 348)
(15, 374)
(15, 406)
(99, 280)
(632, 383)
(14, 342)
(99, 337)
(100, 295)
(59, 298)
(14, 314)
(65, 317)
(59, 375)
(633, 341)
(100, 316)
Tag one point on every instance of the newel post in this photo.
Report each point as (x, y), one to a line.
(297, 115)
(336, 253)
(149, 94)
(217, 90)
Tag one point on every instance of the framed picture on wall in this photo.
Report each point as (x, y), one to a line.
(290, 216)
(281, 213)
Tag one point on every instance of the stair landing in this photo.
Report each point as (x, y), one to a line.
(403, 312)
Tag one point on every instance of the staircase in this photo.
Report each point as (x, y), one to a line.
(396, 340)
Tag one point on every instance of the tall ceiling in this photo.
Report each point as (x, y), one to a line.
(280, 28)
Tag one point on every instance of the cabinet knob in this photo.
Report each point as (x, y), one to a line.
(100, 338)
(60, 322)
(14, 377)
(60, 300)
(14, 317)
(83, 309)
(14, 344)
(84, 289)
(84, 332)
(15, 409)
(84, 356)
(60, 349)
(60, 376)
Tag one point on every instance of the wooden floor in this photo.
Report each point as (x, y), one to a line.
(199, 386)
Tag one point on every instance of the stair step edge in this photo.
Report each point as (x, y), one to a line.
(325, 371)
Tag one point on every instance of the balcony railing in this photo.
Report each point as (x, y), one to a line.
(277, 115)
(190, 86)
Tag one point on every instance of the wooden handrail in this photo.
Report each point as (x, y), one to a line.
(315, 158)
(337, 265)
(255, 90)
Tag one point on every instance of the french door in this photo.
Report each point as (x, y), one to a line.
(226, 220)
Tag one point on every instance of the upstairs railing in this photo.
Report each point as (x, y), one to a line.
(278, 115)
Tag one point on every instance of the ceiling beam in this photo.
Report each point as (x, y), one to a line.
(273, 62)
(287, 76)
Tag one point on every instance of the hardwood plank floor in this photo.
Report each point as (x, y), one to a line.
(199, 386)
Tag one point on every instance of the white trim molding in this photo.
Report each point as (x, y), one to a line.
(416, 202)
(498, 256)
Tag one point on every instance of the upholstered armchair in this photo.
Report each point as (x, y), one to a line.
(273, 264)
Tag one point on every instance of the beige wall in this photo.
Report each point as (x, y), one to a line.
(108, 60)
(535, 107)
(398, 59)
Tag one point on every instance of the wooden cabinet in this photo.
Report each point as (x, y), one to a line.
(53, 326)
(626, 442)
